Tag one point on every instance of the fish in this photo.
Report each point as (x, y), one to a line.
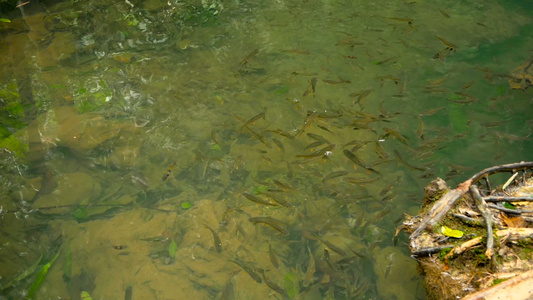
(314, 145)
(340, 81)
(332, 246)
(319, 152)
(260, 137)
(444, 13)
(249, 57)
(447, 44)
(271, 284)
(248, 270)
(380, 151)
(431, 112)
(216, 239)
(408, 20)
(274, 223)
(349, 56)
(404, 162)
(254, 119)
(351, 156)
(311, 88)
(385, 61)
(318, 138)
(324, 128)
(421, 128)
(334, 175)
(272, 256)
(282, 185)
(258, 200)
(282, 133)
(167, 173)
(279, 144)
(395, 134)
(278, 200)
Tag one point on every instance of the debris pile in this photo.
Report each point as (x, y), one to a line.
(477, 240)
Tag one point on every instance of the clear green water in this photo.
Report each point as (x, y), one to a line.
(101, 99)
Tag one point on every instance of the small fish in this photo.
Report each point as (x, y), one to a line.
(340, 81)
(279, 144)
(216, 238)
(431, 112)
(444, 13)
(351, 156)
(385, 61)
(257, 200)
(282, 185)
(318, 138)
(271, 284)
(311, 88)
(319, 152)
(404, 162)
(278, 200)
(421, 128)
(333, 247)
(273, 257)
(447, 44)
(274, 223)
(349, 56)
(249, 57)
(332, 175)
(324, 128)
(313, 145)
(248, 270)
(282, 133)
(408, 20)
(254, 119)
(167, 173)
(396, 135)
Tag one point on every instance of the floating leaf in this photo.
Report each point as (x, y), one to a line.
(454, 233)
(85, 296)
(5, 20)
(172, 249)
(185, 205)
(291, 285)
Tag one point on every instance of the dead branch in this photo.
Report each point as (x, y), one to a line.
(482, 206)
(444, 204)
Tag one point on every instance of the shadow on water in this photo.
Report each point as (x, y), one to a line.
(221, 150)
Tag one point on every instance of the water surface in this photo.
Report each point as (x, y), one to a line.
(140, 137)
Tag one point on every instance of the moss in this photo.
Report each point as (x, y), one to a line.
(498, 280)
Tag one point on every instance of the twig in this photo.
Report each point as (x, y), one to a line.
(430, 250)
(507, 199)
(483, 208)
(515, 234)
(464, 246)
(509, 211)
(468, 220)
(502, 168)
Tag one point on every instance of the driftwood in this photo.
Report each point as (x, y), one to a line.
(442, 207)
(479, 242)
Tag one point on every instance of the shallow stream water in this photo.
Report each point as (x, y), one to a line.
(244, 149)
